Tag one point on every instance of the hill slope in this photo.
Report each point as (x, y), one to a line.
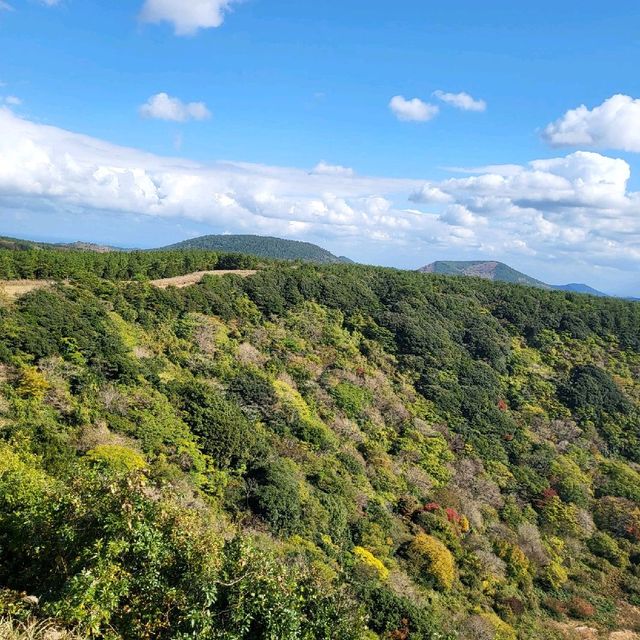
(17, 244)
(489, 270)
(498, 271)
(328, 452)
(262, 246)
(580, 288)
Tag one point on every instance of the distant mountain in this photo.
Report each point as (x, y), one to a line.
(489, 270)
(17, 244)
(87, 246)
(492, 270)
(580, 288)
(262, 246)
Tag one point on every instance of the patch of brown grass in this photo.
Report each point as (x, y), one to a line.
(13, 289)
(193, 278)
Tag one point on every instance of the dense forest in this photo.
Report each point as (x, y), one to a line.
(330, 452)
(262, 246)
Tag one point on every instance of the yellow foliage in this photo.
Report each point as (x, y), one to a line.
(295, 408)
(555, 575)
(368, 560)
(32, 384)
(117, 458)
(503, 631)
(431, 556)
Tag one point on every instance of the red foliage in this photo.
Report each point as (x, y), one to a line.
(452, 515)
(502, 405)
(633, 531)
(432, 506)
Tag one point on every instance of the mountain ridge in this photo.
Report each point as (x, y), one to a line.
(501, 272)
(261, 246)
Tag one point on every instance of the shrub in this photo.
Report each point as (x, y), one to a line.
(604, 546)
(580, 608)
(277, 496)
(353, 400)
(303, 422)
(592, 389)
(554, 575)
(370, 563)
(560, 517)
(31, 383)
(255, 392)
(432, 561)
(116, 458)
(618, 516)
(615, 478)
(224, 431)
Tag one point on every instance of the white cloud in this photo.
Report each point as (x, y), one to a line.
(430, 194)
(325, 169)
(41, 164)
(615, 124)
(575, 209)
(164, 107)
(462, 101)
(186, 16)
(13, 101)
(458, 215)
(414, 110)
(574, 212)
(5, 6)
(500, 169)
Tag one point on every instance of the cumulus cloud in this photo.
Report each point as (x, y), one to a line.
(615, 124)
(462, 101)
(576, 211)
(42, 164)
(325, 169)
(430, 194)
(414, 110)
(13, 101)
(577, 207)
(164, 107)
(186, 16)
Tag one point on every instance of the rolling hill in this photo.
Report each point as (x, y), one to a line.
(489, 270)
(262, 246)
(493, 270)
(17, 244)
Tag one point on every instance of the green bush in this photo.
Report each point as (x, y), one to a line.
(604, 546)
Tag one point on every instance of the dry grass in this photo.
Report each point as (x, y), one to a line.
(15, 288)
(193, 278)
(45, 630)
(12, 289)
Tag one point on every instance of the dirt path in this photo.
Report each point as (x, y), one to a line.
(193, 278)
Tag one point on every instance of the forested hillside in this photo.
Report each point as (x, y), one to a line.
(326, 452)
(488, 269)
(262, 246)
(29, 245)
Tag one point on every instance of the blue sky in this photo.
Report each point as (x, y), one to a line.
(289, 84)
